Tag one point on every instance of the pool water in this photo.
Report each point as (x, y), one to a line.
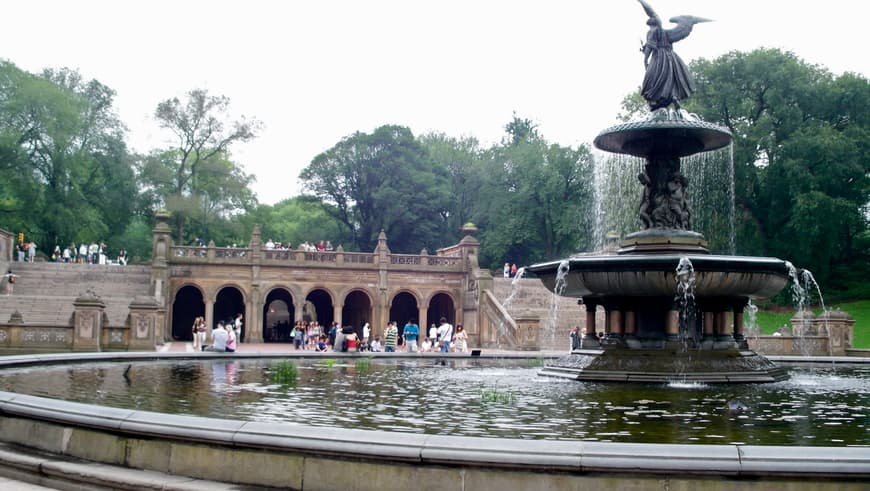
(490, 398)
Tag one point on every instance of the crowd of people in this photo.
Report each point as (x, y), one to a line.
(321, 246)
(310, 335)
(93, 253)
(225, 337)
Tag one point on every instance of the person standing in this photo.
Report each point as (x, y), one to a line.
(391, 335)
(237, 327)
(433, 336)
(576, 338)
(10, 278)
(198, 331)
(506, 271)
(411, 332)
(333, 330)
(460, 340)
(31, 251)
(366, 332)
(445, 335)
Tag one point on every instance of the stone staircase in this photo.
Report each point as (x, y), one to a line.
(44, 291)
(528, 297)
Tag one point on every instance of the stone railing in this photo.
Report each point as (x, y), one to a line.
(497, 327)
(187, 254)
(89, 329)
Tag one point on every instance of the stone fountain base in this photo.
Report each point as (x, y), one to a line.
(672, 363)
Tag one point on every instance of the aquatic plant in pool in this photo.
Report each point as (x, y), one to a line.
(820, 407)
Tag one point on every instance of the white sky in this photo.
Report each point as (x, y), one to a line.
(316, 71)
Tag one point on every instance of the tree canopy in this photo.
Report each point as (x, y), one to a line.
(387, 181)
(801, 157)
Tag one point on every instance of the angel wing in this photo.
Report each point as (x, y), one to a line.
(649, 11)
(684, 26)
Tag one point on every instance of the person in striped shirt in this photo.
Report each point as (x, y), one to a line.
(391, 335)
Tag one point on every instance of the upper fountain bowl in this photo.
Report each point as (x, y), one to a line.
(655, 275)
(665, 137)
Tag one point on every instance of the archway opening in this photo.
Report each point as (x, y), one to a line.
(440, 306)
(403, 309)
(187, 306)
(357, 311)
(318, 307)
(228, 304)
(279, 314)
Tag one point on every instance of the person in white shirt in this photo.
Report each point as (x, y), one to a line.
(219, 338)
(445, 334)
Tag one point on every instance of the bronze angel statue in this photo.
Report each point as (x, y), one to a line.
(667, 80)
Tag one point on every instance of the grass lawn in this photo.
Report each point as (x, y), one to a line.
(770, 321)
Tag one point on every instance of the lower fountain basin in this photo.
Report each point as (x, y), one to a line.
(655, 275)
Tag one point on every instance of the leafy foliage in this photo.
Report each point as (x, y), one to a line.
(196, 180)
(387, 181)
(801, 156)
(69, 177)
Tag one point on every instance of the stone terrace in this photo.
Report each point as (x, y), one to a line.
(528, 297)
(44, 292)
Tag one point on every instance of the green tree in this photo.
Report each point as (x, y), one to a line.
(462, 159)
(296, 220)
(181, 175)
(382, 181)
(801, 155)
(70, 175)
(538, 198)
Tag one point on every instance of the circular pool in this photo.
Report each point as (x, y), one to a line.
(472, 397)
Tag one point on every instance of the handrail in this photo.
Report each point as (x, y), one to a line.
(500, 319)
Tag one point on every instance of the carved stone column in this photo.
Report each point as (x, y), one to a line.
(143, 323)
(88, 324)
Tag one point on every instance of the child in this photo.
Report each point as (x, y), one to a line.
(376, 344)
(426, 345)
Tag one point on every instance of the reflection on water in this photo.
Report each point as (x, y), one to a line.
(822, 407)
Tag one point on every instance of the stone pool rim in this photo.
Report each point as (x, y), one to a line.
(289, 454)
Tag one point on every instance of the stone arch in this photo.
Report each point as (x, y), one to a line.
(322, 302)
(188, 303)
(279, 314)
(229, 301)
(404, 306)
(357, 309)
(441, 304)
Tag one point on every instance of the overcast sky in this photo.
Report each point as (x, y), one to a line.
(316, 71)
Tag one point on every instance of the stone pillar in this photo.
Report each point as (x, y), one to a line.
(630, 323)
(88, 321)
(722, 333)
(591, 307)
(528, 333)
(209, 314)
(424, 327)
(253, 321)
(336, 314)
(709, 324)
(161, 238)
(143, 323)
(672, 324)
(616, 322)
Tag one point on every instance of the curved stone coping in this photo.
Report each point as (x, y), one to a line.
(534, 455)
(543, 456)
(813, 360)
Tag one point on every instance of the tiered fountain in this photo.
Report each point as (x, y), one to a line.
(673, 310)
